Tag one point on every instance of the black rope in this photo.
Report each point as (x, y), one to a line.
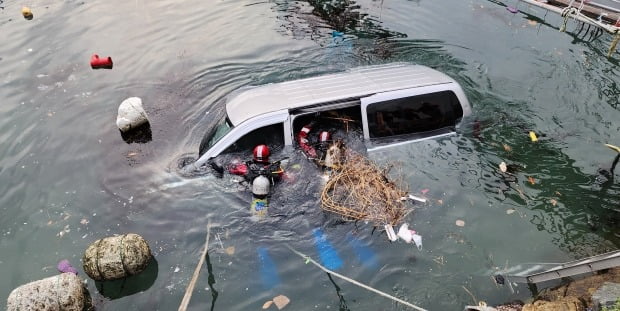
(97, 259)
(122, 254)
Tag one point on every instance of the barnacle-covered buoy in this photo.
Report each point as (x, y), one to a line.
(63, 292)
(116, 257)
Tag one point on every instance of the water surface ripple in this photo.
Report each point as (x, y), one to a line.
(67, 178)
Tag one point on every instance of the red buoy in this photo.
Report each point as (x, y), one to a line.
(105, 62)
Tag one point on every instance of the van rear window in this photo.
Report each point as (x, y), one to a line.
(415, 114)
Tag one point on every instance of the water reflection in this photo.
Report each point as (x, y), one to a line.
(579, 210)
(130, 285)
(316, 18)
(351, 36)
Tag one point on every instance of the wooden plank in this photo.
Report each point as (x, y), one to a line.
(589, 10)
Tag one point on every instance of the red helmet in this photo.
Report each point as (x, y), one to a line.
(324, 136)
(261, 153)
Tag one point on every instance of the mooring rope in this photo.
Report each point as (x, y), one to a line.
(308, 259)
(566, 13)
(569, 11)
(613, 45)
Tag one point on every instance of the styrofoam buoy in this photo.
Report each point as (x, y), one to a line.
(131, 114)
(63, 292)
(116, 257)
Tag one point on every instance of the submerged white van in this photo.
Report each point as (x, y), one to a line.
(391, 104)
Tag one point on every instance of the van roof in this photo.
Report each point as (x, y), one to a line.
(353, 83)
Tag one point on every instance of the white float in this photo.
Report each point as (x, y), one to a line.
(131, 115)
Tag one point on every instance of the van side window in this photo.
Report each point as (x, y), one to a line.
(270, 135)
(415, 114)
(345, 120)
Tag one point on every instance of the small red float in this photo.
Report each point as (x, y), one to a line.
(97, 63)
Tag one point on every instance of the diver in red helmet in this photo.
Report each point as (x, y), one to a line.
(325, 139)
(259, 165)
(315, 149)
(304, 142)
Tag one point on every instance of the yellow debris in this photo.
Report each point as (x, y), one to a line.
(612, 147)
(533, 136)
(26, 12)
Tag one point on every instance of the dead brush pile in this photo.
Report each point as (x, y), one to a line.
(360, 190)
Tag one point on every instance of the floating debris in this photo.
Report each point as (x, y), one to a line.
(359, 190)
(27, 13)
(133, 122)
(281, 301)
(64, 266)
(390, 233)
(460, 223)
(101, 63)
(230, 250)
(612, 147)
(503, 167)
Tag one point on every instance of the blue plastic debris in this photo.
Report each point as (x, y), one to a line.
(328, 255)
(268, 271)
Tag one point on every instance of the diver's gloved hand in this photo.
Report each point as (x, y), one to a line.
(217, 167)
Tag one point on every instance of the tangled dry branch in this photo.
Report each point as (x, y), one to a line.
(360, 190)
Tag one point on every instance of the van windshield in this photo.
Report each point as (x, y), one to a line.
(223, 127)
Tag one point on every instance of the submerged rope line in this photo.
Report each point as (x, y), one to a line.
(308, 259)
(192, 283)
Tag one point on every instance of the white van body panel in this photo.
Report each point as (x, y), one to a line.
(241, 130)
(353, 83)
